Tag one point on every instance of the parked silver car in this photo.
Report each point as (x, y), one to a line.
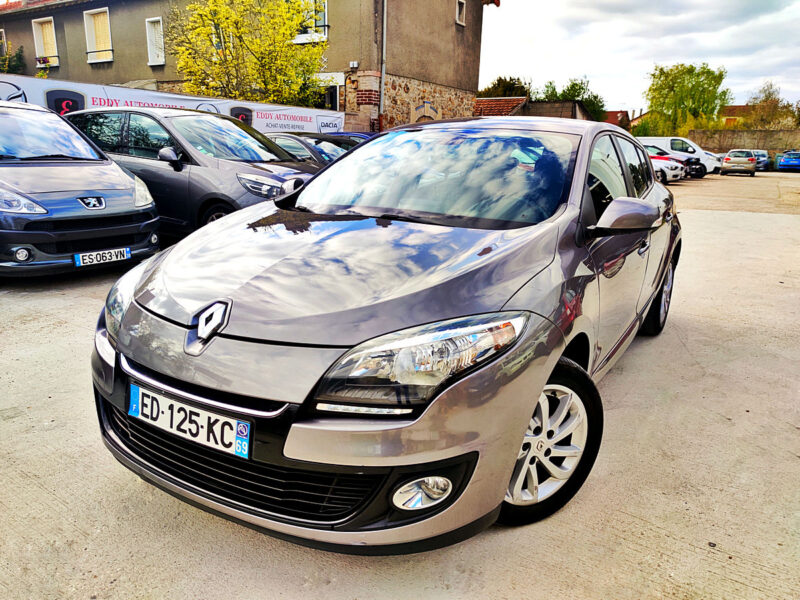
(739, 161)
(405, 349)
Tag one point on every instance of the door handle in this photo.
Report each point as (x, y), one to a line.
(643, 247)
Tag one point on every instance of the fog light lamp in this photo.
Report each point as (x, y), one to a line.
(22, 254)
(154, 239)
(422, 493)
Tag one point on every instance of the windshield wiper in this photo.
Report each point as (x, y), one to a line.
(402, 217)
(56, 157)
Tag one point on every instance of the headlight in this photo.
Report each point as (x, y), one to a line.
(11, 202)
(404, 369)
(120, 297)
(260, 186)
(142, 197)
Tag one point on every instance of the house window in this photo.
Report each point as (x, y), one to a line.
(155, 41)
(44, 40)
(3, 47)
(319, 31)
(98, 36)
(461, 12)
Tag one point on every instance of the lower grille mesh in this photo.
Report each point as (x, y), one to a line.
(291, 493)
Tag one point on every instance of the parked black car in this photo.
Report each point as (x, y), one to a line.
(199, 166)
(318, 148)
(63, 204)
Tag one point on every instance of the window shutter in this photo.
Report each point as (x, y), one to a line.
(48, 38)
(155, 42)
(102, 36)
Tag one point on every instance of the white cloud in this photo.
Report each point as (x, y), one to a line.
(615, 43)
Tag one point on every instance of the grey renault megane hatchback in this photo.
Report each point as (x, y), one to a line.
(404, 350)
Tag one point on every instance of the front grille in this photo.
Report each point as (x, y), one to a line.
(92, 244)
(88, 222)
(292, 493)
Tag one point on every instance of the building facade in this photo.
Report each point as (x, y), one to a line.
(426, 59)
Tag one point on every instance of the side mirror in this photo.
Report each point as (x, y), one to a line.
(625, 215)
(168, 154)
(291, 185)
(690, 150)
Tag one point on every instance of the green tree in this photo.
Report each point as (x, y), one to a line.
(770, 111)
(685, 96)
(504, 87)
(12, 61)
(576, 89)
(244, 49)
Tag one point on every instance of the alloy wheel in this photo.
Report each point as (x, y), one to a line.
(216, 215)
(551, 448)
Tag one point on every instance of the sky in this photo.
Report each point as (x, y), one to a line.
(615, 43)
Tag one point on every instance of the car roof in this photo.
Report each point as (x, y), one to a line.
(575, 126)
(23, 106)
(155, 111)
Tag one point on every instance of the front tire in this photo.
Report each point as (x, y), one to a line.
(659, 310)
(214, 212)
(559, 447)
(700, 173)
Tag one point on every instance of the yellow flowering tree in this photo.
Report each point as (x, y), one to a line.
(245, 49)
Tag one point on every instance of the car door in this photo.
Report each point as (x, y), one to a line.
(143, 138)
(657, 256)
(620, 260)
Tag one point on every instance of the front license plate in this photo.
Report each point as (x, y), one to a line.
(101, 256)
(201, 426)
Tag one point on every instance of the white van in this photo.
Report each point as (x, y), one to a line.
(683, 146)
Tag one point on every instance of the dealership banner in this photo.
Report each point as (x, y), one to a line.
(66, 96)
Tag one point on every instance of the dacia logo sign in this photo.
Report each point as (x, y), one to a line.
(327, 124)
(93, 202)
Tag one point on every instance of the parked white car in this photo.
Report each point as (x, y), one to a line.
(680, 145)
(667, 170)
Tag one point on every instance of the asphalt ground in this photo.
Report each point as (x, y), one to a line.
(695, 493)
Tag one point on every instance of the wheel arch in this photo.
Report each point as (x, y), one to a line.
(578, 349)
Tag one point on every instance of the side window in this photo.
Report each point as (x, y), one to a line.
(635, 166)
(605, 180)
(293, 147)
(103, 129)
(648, 173)
(680, 146)
(146, 137)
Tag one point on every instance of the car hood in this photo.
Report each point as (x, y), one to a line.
(305, 278)
(284, 170)
(64, 176)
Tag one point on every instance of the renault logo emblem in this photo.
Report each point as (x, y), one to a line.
(93, 202)
(211, 320)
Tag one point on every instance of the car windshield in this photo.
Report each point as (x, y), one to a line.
(227, 139)
(792, 155)
(328, 150)
(762, 153)
(482, 178)
(655, 150)
(38, 135)
(740, 154)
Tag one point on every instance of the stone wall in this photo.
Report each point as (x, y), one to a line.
(410, 100)
(722, 140)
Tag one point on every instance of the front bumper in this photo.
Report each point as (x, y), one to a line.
(469, 433)
(52, 243)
